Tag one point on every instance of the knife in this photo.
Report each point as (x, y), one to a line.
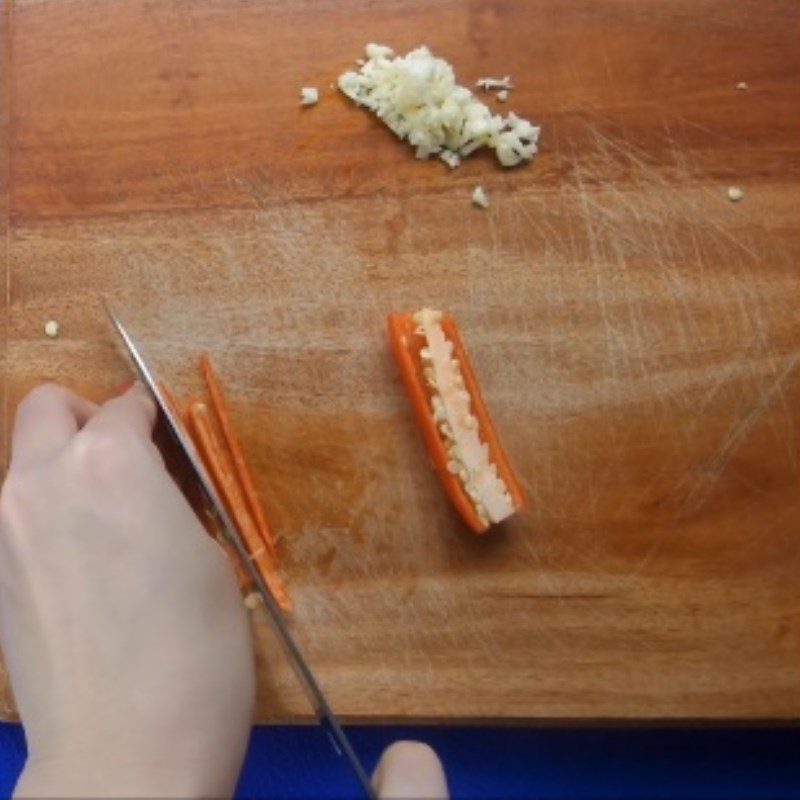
(323, 711)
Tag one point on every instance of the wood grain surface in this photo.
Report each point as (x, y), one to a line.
(636, 333)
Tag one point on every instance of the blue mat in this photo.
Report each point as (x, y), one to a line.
(547, 764)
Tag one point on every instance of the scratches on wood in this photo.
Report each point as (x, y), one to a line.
(743, 426)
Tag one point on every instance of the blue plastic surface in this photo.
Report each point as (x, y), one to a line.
(545, 764)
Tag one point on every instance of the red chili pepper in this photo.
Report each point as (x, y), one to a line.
(406, 345)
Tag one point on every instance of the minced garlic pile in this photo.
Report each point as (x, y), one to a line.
(417, 96)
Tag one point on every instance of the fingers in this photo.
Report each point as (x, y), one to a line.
(46, 420)
(410, 771)
(133, 412)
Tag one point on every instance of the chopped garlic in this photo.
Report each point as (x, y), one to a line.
(450, 158)
(494, 83)
(309, 96)
(480, 198)
(417, 97)
(376, 51)
(735, 194)
(52, 328)
(252, 601)
(502, 95)
(468, 456)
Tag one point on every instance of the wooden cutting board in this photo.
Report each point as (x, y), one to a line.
(637, 333)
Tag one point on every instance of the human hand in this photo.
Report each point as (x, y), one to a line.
(410, 771)
(122, 627)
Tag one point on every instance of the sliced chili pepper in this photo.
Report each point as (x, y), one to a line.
(220, 405)
(212, 447)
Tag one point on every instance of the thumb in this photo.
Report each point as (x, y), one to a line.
(410, 771)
